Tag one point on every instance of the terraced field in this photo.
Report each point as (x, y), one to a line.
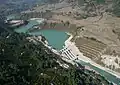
(91, 48)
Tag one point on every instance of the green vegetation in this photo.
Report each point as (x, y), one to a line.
(25, 63)
(116, 7)
(12, 6)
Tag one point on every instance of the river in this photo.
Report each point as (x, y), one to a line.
(107, 75)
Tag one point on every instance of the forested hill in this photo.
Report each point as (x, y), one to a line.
(25, 63)
(9, 7)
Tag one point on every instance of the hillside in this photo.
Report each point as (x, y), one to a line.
(27, 63)
(93, 23)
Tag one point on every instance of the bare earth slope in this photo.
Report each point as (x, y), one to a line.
(97, 41)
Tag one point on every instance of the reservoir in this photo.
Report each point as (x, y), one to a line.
(56, 39)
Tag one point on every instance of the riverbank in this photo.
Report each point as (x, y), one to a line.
(80, 55)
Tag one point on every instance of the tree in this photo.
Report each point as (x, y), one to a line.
(25, 63)
(67, 23)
